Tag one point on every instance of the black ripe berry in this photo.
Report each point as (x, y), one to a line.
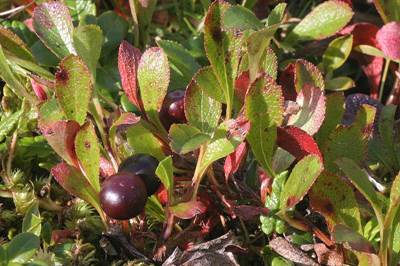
(123, 196)
(144, 166)
(172, 110)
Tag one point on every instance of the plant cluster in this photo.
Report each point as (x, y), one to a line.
(199, 132)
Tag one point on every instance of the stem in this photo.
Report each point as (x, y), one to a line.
(395, 93)
(384, 76)
(135, 22)
(198, 172)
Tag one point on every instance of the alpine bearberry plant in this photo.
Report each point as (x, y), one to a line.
(149, 132)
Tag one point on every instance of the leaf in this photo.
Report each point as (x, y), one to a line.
(264, 109)
(386, 125)
(300, 180)
(182, 63)
(53, 25)
(185, 138)
(73, 88)
(360, 180)
(188, 210)
(349, 141)
(7, 124)
(388, 38)
(307, 73)
(240, 18)
(333, 116)
(208, 83)
(388, 9)
(339, 84)
(153, 79)
(269, 63)
(276, 15)
(165, 172)
(87, 150)
(81, 8)
(337, 52)
(32, 223)
(128, 61)
(312, 110)
(235, 159)
(332, 197)
(114, 28)
(216, 44)
(323, 21)
(71, 179)
(142, 140)
(257, 43)
(11, 43)
(88, 40)
(297, 142)
(201, 111)
(344, 234)
(61, 136)
(369, 50)
(22, 247)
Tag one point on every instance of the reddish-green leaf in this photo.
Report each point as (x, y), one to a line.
(11, 43)
(332, 197)
(153, 78)
(323, 21)
(165, 172)
(201, 110)
(235, 159)
(74, 88)
(87, 150)
(312, 110)
(388, 38)
(307, 73)
(188, 210)
(128, 61)
(344, 234)
(300, 180)
(53, 25)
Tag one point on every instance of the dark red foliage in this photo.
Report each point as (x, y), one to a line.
(286, 80)
(242, 84)
(235, 159)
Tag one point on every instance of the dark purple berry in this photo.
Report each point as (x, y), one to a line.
(353, 103)
(123, 196)
(144, 166)
(172, 110)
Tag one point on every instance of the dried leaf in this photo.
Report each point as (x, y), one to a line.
(284, 248)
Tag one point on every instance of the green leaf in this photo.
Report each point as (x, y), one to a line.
(300, 180)
(369, 50)
(386, 125)
(337, 52)
(201, 111)
(269, 63)
(240, 18)
(339, 84)
(360, 180)
(216, 44)
(7, 124)
(153, 79)
(22, 247)
(257, 43)
(388, 10)
(323, 21)
(32, 223)
(88, 40)
(208, 82)
(217, 149)
(81, 8)
(186, 138)
(333, 116)
(165, 172)
(87, 150)
(142, 140)
(114, 28)
(264, 109)
(74, 88)
(349, 141)
(273, 200)
(332, 197)
(182, 63)
(53, 25)
(307, 73)
(12, 44)
(276, 15)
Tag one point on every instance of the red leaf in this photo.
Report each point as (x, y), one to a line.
(297, 142)
(286, 80)
(61, 136)
(233, 160)
(388, 38)
(365, 33)
(266, 185)
(247, 212)
(128, 61)
(187, 210)
(242, 85)
(39, 90)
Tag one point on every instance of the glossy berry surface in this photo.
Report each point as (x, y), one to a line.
(123, 196)
(172, 110)
(144, 166)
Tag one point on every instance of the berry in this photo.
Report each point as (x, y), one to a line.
(144, 166)
(123, 196)
(353, 103)
(172, 110)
